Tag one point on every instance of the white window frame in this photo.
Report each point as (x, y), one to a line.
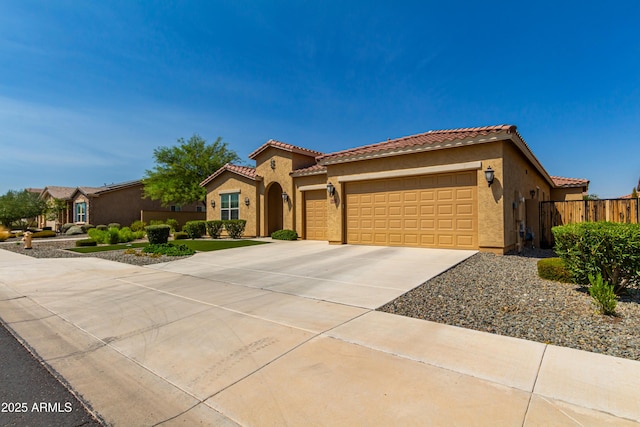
(229, 206)
(80, 212)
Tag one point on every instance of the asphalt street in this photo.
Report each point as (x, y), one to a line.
(30, 395)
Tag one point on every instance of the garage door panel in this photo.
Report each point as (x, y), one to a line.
(430, 211)
(316, 214)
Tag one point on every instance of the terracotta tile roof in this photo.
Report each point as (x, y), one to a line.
(559, 181)
(284, 146)
(311, 170)
(427, 140)
(246, 171)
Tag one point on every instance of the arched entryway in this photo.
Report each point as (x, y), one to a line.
(274, 208)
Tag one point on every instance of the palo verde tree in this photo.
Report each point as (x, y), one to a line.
(19, 205)
(180, 169)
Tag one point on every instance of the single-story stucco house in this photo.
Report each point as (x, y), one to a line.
(469, 188)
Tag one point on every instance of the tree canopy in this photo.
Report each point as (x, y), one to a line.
(180, 169)
(17, 205)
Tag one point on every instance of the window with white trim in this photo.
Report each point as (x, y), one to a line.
(229, 206)
(81, 212)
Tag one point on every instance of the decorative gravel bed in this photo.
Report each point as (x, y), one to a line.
(55, 248)
(504, 295)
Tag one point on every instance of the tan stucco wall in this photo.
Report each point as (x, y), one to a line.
(490, 200)
(247, 187)
(520, 177)
(286, 162)
(564, 194)
(299, 197)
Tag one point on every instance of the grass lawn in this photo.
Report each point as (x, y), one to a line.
(197, 245)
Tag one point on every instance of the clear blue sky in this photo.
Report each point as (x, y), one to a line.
(89, 88)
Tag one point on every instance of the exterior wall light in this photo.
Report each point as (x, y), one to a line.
(273, 163)
(533, 193)
(213, 203)
(489, 175)
(331, 189)
(246, 201)
(285, 197)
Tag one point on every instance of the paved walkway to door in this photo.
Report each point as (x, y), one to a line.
(285, 334)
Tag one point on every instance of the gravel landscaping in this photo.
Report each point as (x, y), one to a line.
(504, 295)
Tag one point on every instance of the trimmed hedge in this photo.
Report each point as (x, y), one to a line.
(158, 234)
(195, 229)
(214, 228)
(87, 227)
(102, 227)
(284, 235)
(174, 224)
(592, 248)
(43, 234)
(86, 242)
(554, 269)
(138, 225)
(115, 225)
(235, 227)
(180, 235)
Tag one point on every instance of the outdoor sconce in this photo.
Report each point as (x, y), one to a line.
(533, 193)
(213, 203)
(331, 189)
(246, 201)
(285, 197)
(489, 175)
(273, 163)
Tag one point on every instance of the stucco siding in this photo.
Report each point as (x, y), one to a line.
(229, 181)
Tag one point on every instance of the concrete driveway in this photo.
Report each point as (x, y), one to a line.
(284, 334)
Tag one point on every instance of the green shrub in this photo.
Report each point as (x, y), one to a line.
(98, 235)
(115, 225)
(74, 230)
(604, 298)
(138, 225)
(43, 234)
(195, 229)
(158, 234)
(102, 227)
(86, 242)
(235, 227)
(65, 227)
(47, 229)
(169, 249)
(180, 235)
(214, 228)
(553, 269)
(86, 227)
(609, 249)
(284, 235)
(113, 236)
(174, 224)
(157, 222)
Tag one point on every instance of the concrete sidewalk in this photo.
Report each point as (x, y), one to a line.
(284, 334)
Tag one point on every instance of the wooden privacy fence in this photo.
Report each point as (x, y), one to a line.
(569, 212)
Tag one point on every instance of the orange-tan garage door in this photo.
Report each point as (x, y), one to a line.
(315, 207)
(437, 211)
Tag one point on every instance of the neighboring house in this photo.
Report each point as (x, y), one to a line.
(569, 188)
(51, 193)
(120, 203)
(426, 190)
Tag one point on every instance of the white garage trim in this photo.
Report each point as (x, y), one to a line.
(313, 187)
(427, 170)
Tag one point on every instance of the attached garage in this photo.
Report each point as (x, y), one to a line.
(424, 211)
(315, 208)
